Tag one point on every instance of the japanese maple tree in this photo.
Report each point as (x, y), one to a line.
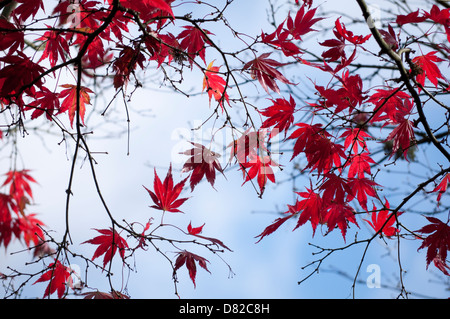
(335, 105)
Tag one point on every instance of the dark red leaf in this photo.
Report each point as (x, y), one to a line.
(437, 242)
(263, 69)
(203, 163)
(188, 258)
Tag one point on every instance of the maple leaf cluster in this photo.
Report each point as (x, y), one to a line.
(15, 220)
(96, 38)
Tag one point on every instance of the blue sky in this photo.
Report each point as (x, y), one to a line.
(231, 213)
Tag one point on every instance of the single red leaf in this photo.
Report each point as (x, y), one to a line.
(340, 214)
(70, 101)
(28, 8)
(280, 115)
(281, 40)
(202, 163)
(17, 75)
(263, 69)
(165, 195)
(441, 188)
(56, 46)
(108, 243)
(188, 258)
(215, 85)
(361, 188)
(128, 60)
(360, 165)
(45, 101)
(402, 137)
(355, 138)
(303, 22)
(430, 71)
(348, 35)
(11, 37)
(335, 188)
(437, 243)
(277, 223)
(57, 275)
(311, 208)
(31, 233)
(412, 17)
(260, 167)
(383, 221)
(305, 136)
(192, 41)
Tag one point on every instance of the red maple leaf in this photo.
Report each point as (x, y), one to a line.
(382, 221)
(17, 75)
(348, 35)
(402, 137)
(361, 188)
(45, 101)
(303, 22)
(162, 47)
(281, 40)
(108, 243)
(340, 214)
(277, 223)
(355, 138)
(215, 84)
(260, 167)
(19, 184)
(429, 68)
(263, 69)
(195, 231)
(188, 258)
(28, 8)
(437, 243)
(311, 208)
(56, 46)
(147, 8)
(104, 295)
(165, 195)
(334, 188)
(203, 163)
(322, 155)
(70, 101)
(57, 275)
(305, 135)
(412, 17)
(442, 186)
(280, 115)
(31, 232)
(7, 205)
(192, 41)
(126, 63)
(387, 103)
(441, 17)
(360, 165)
(12, 40)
